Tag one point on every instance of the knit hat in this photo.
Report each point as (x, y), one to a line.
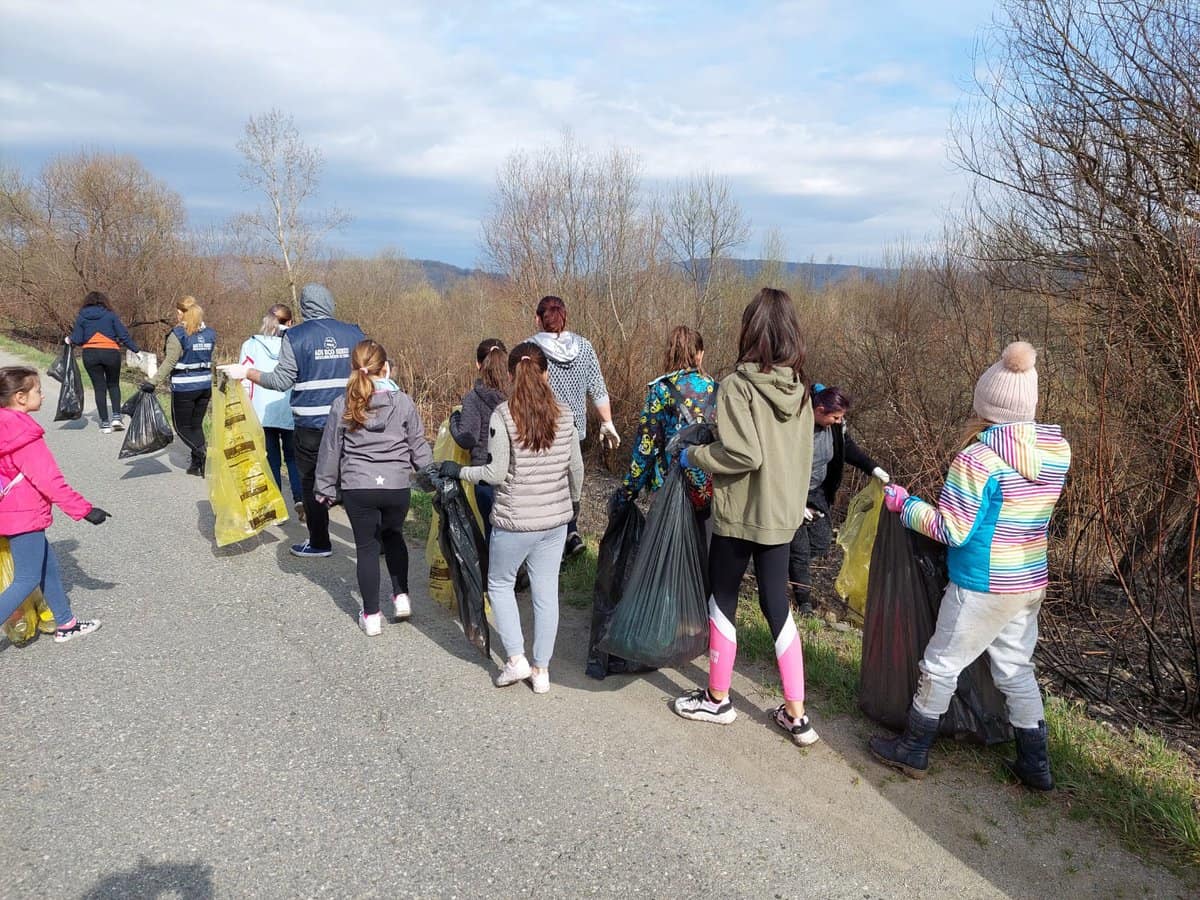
(1008, 391)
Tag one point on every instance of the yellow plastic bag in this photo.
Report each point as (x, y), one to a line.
(33, 615)
(244, 496)
(440, 586)
(857, 538)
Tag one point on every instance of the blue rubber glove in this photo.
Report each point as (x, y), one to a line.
(683, 459)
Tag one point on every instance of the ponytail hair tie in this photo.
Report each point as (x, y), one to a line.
(495, 348)
(364, 370)
(523, 358)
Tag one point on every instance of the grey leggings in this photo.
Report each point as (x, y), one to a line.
(541, 551)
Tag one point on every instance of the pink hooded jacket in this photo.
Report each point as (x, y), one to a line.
(27, 506)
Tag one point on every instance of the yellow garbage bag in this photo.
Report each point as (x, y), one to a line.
(857, 539)
(441, 588)
(244, 496)
(33, 615)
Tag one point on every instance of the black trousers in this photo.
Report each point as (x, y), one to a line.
(316, 515)
(377, 519)
(727, 561)
(188, 409)
(811, 541)
(104, 368)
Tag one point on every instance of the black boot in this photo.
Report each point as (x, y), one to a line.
(1032, 764)
(910, 752)
(802, 600)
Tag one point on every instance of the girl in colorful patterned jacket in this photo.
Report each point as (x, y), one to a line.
(993, 514)
(30, 485)
(686, 394)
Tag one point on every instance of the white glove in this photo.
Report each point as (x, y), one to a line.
(66, 340)
(234, 371)
(809, 514)
(609, 436)
(881, 475)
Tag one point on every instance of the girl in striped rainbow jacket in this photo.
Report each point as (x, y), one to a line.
(993, 515)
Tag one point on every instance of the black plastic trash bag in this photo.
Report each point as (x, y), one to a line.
(662, 619)
(613, 565)
(70, 396)
(463, 546)
(58, 368)
(907, 579)
(148, 430)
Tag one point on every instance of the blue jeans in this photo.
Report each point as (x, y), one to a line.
(35, 566)
(485, 499)
(277, 439)
(541, 551)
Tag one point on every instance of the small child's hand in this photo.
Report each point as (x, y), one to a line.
(893, 497)
(96, 515)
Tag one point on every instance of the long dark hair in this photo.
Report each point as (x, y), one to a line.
(771, 335)
(13, 380)
(534, 409)
(492, 356)
(96, 298)
(683, 346)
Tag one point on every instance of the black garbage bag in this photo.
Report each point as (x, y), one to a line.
(70, 396)
(613, 565)
(662, 619)
(904, 591)
(148, 430)
(58, 368)
(465, 551)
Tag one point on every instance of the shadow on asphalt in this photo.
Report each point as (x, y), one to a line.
(188, 881)
(146, 465)
(72, 573)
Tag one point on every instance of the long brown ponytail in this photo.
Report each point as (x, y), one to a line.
(492, 356)
(367, 360)
(534, 409)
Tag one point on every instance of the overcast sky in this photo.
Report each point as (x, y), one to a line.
(831, 119)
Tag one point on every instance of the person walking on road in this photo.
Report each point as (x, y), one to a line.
(30, 485)
(574, 376)
(469, 425)
(273, 408)
(187, 361)
(833, 447)
(536, 468)
(99, 334)
(993, 515)
(764, 442)
(314, 361)
(373, 441)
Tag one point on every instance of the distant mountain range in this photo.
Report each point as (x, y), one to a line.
(815, 275)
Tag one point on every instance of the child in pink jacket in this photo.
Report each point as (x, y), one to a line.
(29, 483)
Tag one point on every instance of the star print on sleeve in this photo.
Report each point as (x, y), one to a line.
(379, 479)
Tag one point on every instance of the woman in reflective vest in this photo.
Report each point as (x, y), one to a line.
(188, 363)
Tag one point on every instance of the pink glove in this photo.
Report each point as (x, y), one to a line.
(894, 496)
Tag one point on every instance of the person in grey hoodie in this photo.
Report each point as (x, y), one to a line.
(574, 375)
(469, 425)
(314, 361)
(373, 441)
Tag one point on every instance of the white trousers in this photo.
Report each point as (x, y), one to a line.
(970, 623)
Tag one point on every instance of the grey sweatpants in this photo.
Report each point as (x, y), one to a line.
(541, 551)
(971, 623)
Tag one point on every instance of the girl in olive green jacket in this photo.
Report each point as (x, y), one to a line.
(764, 449)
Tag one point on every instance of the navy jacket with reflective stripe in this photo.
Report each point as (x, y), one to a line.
(322, 350)
(193, 372)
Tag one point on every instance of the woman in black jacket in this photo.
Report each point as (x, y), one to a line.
(832, 449)
(469, 426)
(99, 334)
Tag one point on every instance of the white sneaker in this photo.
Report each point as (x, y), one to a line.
(541, 681)
(401, 607)
(117, 424)
(699, 706)
(372, 624)
(106, 428)
(516, 669)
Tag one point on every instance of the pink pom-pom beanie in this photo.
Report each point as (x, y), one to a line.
(1008, 391)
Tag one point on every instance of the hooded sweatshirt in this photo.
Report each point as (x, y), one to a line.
(101, 329)
(27, 506)
(995, 507)
(574, 373)
(762, 459)
(469, 426)
(273, 408)
(381, 455)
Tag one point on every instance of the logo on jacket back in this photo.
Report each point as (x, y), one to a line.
(331, 350)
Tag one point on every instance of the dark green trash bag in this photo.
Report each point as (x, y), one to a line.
(70, 396)
(618, 549)
(662, 619)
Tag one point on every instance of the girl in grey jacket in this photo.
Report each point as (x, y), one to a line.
(537, 470)
(373, 441)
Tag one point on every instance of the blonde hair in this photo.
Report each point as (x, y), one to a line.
(971, 429)
(193, 314)
(367, 360)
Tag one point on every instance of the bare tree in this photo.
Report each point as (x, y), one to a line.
(286, 171)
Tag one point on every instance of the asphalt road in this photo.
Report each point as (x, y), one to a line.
(229, 732)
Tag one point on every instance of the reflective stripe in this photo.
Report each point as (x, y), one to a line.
(321, 384)
(191, 379)
(310, 410)
(199, 365)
